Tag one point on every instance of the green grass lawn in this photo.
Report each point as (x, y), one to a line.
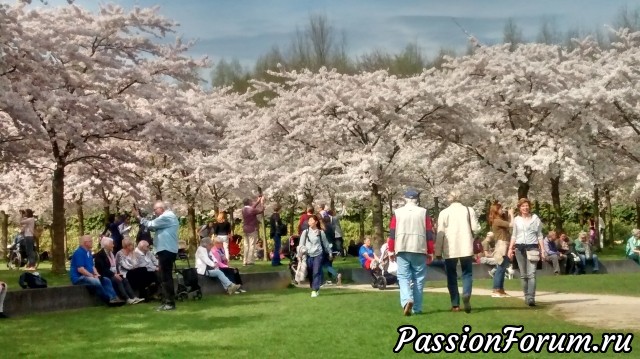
(614, 284)
(337, 324)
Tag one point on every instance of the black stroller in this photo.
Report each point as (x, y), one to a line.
(187, 279)
(381, 274)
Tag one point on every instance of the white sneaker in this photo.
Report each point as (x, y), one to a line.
(137, 300)
(314, 294)
(131, 301)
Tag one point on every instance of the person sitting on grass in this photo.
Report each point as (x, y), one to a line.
(3, 294)
(633, 246)
(207, 266)
(105, 263)
(143, 281)
(585, 252)
(219, 255)
(83, 272)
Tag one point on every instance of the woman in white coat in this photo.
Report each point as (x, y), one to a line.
(206, 265)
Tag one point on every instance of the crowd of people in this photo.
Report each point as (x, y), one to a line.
(126, 272)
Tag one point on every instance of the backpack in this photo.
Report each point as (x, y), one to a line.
(32, 280)
(283, 230)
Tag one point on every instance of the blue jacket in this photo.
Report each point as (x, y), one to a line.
(166, 231)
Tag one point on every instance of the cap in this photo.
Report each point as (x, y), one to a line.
(411, 194)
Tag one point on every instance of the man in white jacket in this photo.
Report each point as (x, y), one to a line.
(206, 265)
(409, 231)
(454, 242)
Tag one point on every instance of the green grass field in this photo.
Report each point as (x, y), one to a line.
(340, 323)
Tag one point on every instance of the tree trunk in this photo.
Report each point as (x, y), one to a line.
(638, 212)
(436, 207)
(106, 211)
(191, 223)
(555, 199)
(265, 242)
(332, 202)
(609, 220)
(523, 189)
(80, 213)
(58, 225)
(361, 224)
(292, 218)
(378, 226)
(4, 233)
(596, 219)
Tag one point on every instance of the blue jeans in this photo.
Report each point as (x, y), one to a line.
(594, 260)
(329, 267)
(103, 287)
(314, 269)
(217, 273)
(452, 278)
(277, 242)
(498, 278)
(527, 272)
(411, 267)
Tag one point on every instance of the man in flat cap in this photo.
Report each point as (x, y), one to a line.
(409, 231)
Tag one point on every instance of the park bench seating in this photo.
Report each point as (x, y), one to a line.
(31, 301)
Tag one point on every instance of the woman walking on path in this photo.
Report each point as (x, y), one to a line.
(528, 246)
(500, 223)
(315, 241)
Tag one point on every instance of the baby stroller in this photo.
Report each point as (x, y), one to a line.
(384, 272)
(187, 279)
(234, 248)
(17, 256)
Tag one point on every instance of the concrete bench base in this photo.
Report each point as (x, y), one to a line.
(30, 301)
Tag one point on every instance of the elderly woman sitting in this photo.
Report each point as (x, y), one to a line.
(207, 265)
(585, 252)
(138, 267)
(105, 263)
(220, 257)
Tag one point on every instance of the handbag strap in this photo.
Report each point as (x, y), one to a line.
(469, 222)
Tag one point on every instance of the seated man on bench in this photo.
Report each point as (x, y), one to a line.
(83, 272)
(554, 256)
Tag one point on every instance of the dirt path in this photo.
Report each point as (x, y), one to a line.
(599, 311)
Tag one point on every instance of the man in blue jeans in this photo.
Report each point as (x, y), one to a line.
(454, 242)
(83, 272)
(165, 226)
(409, 230)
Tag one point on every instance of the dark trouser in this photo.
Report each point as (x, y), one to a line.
(143, 281)
(498, 278)
(452, 278)
(166, 260)
(277, 243)
(29, 244)
(233, 274)
(123, 288)
(314, 271)
(338, 246)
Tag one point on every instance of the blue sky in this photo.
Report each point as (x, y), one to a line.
(245, 29)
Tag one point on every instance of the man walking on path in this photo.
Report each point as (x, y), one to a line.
(454, 242)
(409, 230)
(166, 226)
(250, 214)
